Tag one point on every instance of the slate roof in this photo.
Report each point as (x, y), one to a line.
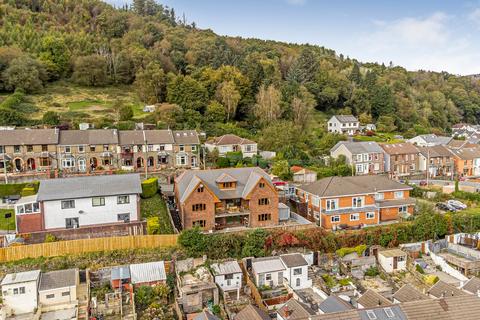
(246, 178)
(443, 289)
(334, 304)
(408, 293)
(20, 277)
(159, 136)
(345, 118)
(293, 260)
(205, 315)
(252, 313)
(267, 264)
(28, 137)
(399, 148)
(296, 310)
(338, 186)
(131, 137)
(359, 147)
(227, 267)
(58, 279)
(372, 299)
(229, 139)
(434, 139)
(435, 151)
(472, 285)
(186, 137)
(467, 153)
(455, 144)
(88, 137)
(90, 186)
(148, 272)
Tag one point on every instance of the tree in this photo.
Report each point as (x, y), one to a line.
(229, 96)
(90, 71)
(25, 73)
(186, 92)
(355, 75)
(281, 168)
(302, 106)
(386, 124)
(215, 112)
(304, 68)
(56, 55)
(194, 241)
(267, 108)
(254, 245)
(51, 118)
(150, 83)
(383, 102)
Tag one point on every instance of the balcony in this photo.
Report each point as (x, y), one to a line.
(126, 154)
(231, 211)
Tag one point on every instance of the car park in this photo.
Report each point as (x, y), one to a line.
(443, 206)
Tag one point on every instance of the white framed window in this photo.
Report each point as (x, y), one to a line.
(332, 204)
(297, 271)
(181, 160)
(403, 209)
(389, 312)
(81, 149)
(359, 157)
(371, 315)
(354, 217)
(370, 215)
(98, 201)
(365, 157)
(68, 204)
(181, 147)
(379, 196)
(398, 194)
(223, 149)
(316, 201)
(334, 219)
(376, 166)
(268, 276)
(357, 202)
(194, 147)
(68, 162)
(123, 199)
(359, 168)
(67, 149)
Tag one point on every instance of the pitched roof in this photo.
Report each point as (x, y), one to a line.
(229, 139)
(88, 137)
(357, 147)
(472, 285)
(20, 277)
(443, 289)
(293, 260)
(205, 315)
(246, 179)
(90, 186)
(148, 272)
(434, 139)
(371, 299)
(267, 264)
(392, 253)
(399, 148)
(344, 118)
(294, 309)
(467, 153)
(408, 293)
(28, 137)
(227, 267)
(337, 186)
(252, 313)
(131, 137)
(455, 144)
(158, 136)
(435, 151)
(58, 279)
(334, 304)
(120, 272)
(186, 137)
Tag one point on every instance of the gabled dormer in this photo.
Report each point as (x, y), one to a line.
(226, 182)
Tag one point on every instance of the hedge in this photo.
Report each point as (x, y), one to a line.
(17, 188)
(149, 187)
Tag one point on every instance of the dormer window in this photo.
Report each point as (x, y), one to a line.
(228, 185)
(226, 181)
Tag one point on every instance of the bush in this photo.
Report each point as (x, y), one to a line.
(430, 279)
(50, 238)
(149, 187)
(419, 269)
(193, 241)
(223, 162)
(28, 191)
(153, 225)
(234, 157)
(360, 249)
(372, 272)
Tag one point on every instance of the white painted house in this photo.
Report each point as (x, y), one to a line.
(19, 292)
(343, 124)
(268, 271)
(296, 271)
(392, 260)
(232, 143)
(58, 289)
(430, 140)
(85, 202)
(228, 277)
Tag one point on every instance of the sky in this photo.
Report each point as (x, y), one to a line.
(438, 35)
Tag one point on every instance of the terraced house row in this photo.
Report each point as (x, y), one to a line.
(37, 150)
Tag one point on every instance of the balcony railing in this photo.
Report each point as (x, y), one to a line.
(230, 211)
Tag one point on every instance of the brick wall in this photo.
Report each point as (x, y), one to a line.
(189, 216)
(256, 210)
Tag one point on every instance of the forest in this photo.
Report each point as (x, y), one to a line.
(280, 94)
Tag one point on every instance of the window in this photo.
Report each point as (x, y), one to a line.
(20, 290)
(359, 168)
(199, 223)
(45, 162)
(150, 147)
(370, 215)
(105, 147)
(200, 188)
(194, 148)
(181, 147)
(389, 312)
(68, 162)
(401, 258)
(316, 201)
(297, 271)
(228, 185)
(334, 219)
(263, 201)
(199, 207)
(125, 217)
(68, 204)
(92, 148)
(371, 315)
(65, 293)
(379, 196)
(357, 202)
(268, 276)
(98, 201)
(29, 148)
(261, 185)
(44, 147)
(398, 194)
(354, 217)
(67, 149)
(264, 217)
(376, 166)
(297, 282)
(123, 199)
(71, 223)
(81, 149)
(229, 276)
(16, 149)
(181, 160)
(403, 209)
(162, 147)
(332, 204)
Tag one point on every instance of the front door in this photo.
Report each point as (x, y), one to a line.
(82, 165)
(395, 263)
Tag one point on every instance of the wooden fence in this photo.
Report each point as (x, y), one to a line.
(60, 248)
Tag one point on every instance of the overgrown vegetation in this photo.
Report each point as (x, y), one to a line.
(155, 210)
(17, 188)
(7, 219)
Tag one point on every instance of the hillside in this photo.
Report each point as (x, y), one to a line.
(83, 60)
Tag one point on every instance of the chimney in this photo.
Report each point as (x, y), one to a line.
(478, 292)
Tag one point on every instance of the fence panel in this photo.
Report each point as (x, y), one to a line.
(52, 249)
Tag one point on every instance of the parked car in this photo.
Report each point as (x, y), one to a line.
(445, 207)
(423, 183)
(457, 204)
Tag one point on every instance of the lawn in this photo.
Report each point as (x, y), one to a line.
(379, 137)
(7, 223)
(156, 207)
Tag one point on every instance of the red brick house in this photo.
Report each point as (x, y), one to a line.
(222, 198)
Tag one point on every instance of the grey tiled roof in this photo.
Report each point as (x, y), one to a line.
(443, 289)
(186, 137)
(229, 139)
(227, 267)
(359, 147)
(371, 299)
(28, 137)
(252, 313)
(90, 186)
(58, 279)
(472, 285)
(346, 118)
(334, 304)
(88, 137)
(435, 151)
(296, 310)
(409, 293)
(293, 260)
(400, 148)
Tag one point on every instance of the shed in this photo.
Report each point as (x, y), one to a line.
(392, 260)
(283, 212)
(120, 275)
(149, 273)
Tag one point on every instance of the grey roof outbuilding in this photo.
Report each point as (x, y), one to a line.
(58, 279)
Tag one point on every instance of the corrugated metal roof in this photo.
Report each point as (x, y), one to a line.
(19, 277)
(120, 272)
(148, 272)
(227, 267)
(269, 264)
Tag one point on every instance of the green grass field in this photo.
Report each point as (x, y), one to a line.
(156, 206)
(7, 223)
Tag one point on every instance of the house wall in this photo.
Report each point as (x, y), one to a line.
(342, 150)
(189, 216)
(235, 283)
(277, 278)
(58, 298)
(29, 222)
(256, 210)
(387, 263)
(249, 153)
(20, 303)
(55, 216)
(292, 279)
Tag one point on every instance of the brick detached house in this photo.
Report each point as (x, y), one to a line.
(222, 198)
(401, 159)
(366, 157)
(346, 202)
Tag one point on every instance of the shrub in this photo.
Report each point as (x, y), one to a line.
(28, 191)
(193, 241)
(419, 269)
(223, 162)
(360, 249)
(153, 225)
(234, 157)
(50, 238)
(372, 272)
(430, 279)
(149, 187)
